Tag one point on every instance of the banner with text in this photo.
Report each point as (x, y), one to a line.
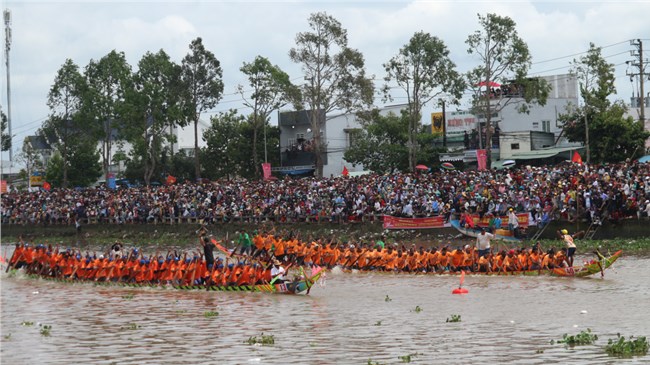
(391, 222)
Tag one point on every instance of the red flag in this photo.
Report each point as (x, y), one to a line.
(171, 180)
(47, 186)
(266, 170)
(576, 158)
(481, 158)
(345, 171)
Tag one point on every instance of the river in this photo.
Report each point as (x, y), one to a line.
(349, 318)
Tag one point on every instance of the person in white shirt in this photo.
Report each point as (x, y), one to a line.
(277, 272)
(483, 242)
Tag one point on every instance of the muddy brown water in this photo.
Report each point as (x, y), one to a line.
(346, 319)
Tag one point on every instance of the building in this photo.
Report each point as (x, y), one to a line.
(296, 136)
(536, 134)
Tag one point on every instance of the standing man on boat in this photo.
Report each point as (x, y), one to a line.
(483, 242)
(570, 245)
(208, 247)
(277, 272)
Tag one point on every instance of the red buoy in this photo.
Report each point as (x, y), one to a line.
(460, 291)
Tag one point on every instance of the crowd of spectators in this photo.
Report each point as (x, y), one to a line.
(567, 191)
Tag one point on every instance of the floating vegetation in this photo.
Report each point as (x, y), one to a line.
(454, 318)
(387, 299)
(210, 314)
(45, 330)
(132, 326)
(408, 358)
(25, 323)
(582, 338)
(181, 311)
(627, 348)
(539, 351)
(371, 362)
(128, 296)
(378, 323)
(262, 340)
(417, 309)
(7, 337)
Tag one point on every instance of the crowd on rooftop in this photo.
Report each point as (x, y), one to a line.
(566, 191)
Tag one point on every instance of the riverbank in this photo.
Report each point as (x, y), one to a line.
(632, 236)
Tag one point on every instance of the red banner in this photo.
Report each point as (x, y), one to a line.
(481, 158)
(485, 221)
(266, 170)
(391, 222)
(3, 186)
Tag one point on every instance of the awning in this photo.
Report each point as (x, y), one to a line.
(542, 153)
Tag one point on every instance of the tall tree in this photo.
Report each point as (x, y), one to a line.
(504, 57)
(6, 139)
(614, 137)
(103, 108)
(423, 70)
(64, 100)
(154, 105)
(31, 158)
(84, 169)
(226, 145)
(336, 76)
(271, 90)
(202, 76)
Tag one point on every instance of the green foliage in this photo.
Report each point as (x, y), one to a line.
(131, 326)
(335, 75)
(83, 166)
(454, 318)
(408, 358)
(262, 340)
(226, 146)
(202, 78)
(503, 56)
(128, 296)
(210, 314)
(423, 70)
(387, 299)
(5, 144)
(417, 309)
(26, 323)
(45, 330)
(582, 338)
(627, 348)
(382, 145)
(378, 323)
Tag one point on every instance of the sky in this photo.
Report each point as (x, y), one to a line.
(46, 33)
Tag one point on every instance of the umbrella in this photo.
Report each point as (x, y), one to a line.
(508, 163)
(644, 159)
(421, 167)
(492, 84)
(448, 166)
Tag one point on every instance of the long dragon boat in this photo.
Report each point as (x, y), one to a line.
(289, 287)
(591, 268)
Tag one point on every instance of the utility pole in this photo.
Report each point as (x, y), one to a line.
(444, 125)
(642, 74)
(7, 18)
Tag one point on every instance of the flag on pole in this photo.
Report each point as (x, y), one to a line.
(576, 158)
(47, 186)
(171, 180)
(345, 171)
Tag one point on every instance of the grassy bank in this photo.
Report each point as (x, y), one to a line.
(184, 236)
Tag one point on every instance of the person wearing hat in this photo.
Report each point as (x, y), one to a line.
(277, 272)
(570, 244)
(513, 222)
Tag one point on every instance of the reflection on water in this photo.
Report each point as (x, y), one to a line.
(348, 321)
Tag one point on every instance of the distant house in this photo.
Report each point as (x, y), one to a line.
(41, 147)
(296, 142)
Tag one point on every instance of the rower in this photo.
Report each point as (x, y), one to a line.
(277, 272)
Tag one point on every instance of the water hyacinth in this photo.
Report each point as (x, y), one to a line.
(627, 348)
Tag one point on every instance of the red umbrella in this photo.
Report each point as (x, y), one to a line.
(492, 84)
(422, 167)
